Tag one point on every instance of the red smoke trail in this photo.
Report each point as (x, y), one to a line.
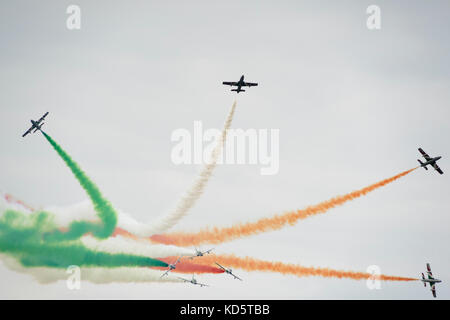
(11, 199)
(189, 266)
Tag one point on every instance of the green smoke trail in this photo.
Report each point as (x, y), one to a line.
(36, 241)
(103, 208)
(23, 237)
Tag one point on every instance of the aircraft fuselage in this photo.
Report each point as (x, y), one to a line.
(431, 281)
(240, 84)
(36, 125)
(431, 161)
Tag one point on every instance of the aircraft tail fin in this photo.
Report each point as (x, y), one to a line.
(421, 164)
(238, 90)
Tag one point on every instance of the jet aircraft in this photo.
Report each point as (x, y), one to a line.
(241, 83)
(431, 280)
(199, 253)
(171, 267)
(229, 271)
(429, 161)
(36, 125)
(194, 281)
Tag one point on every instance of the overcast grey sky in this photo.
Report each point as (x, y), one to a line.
(352, 106)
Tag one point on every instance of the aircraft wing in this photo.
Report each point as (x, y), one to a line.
(236, 277)
(207, 251)
(28, 131)
(228, 83)
(433, 290)
(185, 280)
(43, 117)
(165, 273)
(436, 167)
(220, 266)
(430, 275)
(249, 84)
(424, 154)
(202, 284)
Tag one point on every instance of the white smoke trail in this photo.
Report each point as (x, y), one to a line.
(189, 199)
(91, 274)
(64, 215)
(141, 247)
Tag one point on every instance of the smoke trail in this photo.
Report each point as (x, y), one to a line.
(14, 202)
(251, 264)
(116, 245)
(85, 210)
(192, 195)
(190, 266)
(103, 208)
(24, 238)
(121, 242)
(141, 247)
(218, 235)
(96, 275)
(64, 215)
